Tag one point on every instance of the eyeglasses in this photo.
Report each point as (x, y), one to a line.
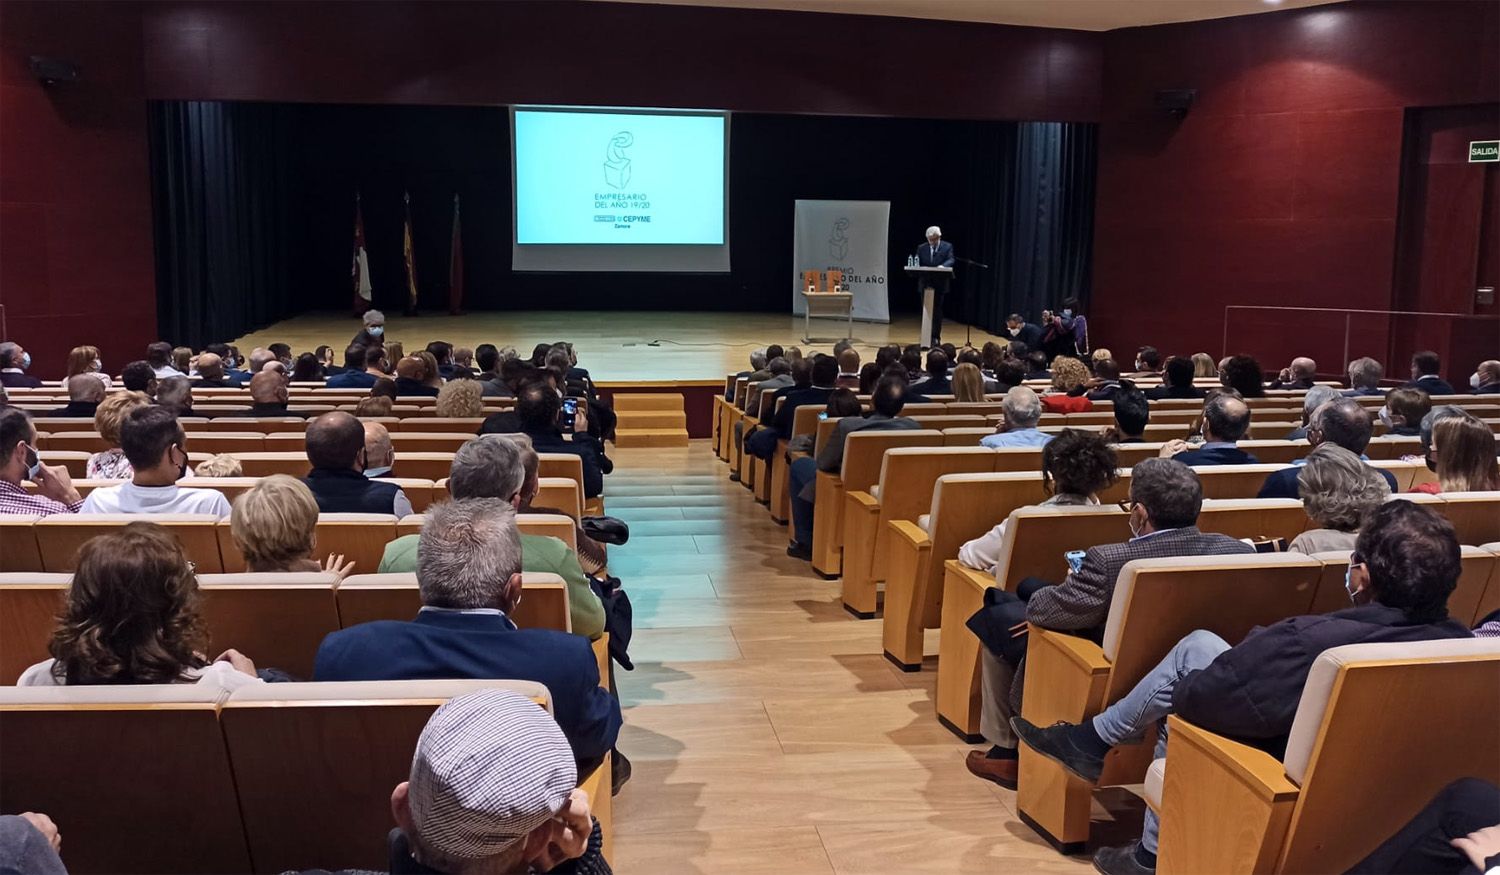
(1128, 504)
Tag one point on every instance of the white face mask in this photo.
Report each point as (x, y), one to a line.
(1014, 332)
(98, 366)
(1474, 380)
(1385, 417)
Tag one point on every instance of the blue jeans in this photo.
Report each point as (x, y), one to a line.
(802, 472)
(1151, 700)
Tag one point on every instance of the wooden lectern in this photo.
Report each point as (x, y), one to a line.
(930, 280)
(825, 293)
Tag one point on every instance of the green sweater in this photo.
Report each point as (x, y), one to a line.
(539, 553)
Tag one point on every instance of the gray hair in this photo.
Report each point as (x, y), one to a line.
(506, 352)
(174, 392)
(1170, 491)
(1316, 397)
(1022, 407)
(467, 552)
(758, 359)
(1338, 489)
(489, 466)
(1365, 373)
(1437, 414)
(8, 354)
(934, 230)
(373, 316)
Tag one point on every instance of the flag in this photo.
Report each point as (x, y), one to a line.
(456, 265)
(359, 271)
(410, 256)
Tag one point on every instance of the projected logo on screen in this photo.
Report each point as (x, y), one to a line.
(838, 241)
(617, 176)
(616, 164)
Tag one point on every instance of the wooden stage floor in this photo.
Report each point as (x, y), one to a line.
(614, 346)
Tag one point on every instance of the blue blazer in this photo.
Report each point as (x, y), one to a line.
(1283, 483)
(450, 645)
(942, 257)
(1215, 456)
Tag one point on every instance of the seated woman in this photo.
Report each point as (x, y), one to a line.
(307, 369)
(1338, 491)
(1464, 450)
(85, 360)
(1076, 467)
(111, 464)
(132, 618)
(274, 524)
(1068, 375)
(968, 383)
(1403, 411)
(460, 399)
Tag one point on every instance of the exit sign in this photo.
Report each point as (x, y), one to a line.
(1484, 150)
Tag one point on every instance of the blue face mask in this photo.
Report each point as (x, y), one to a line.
(376, 330)
(1349, 585)
(1067, 314)
(34, 467)
(372, 473)
(25, 360)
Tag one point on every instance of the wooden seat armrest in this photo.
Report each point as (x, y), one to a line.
(980, 580)
(1262, 773)
(1078, 653)
(866, 501)
(794, 456)
(601, 803)
(910, 533)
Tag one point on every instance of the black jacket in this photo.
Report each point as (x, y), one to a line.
(1250, 692)
(794, 399)
(1432, 384)
(85, 409)
(595, 463)
(269, 409)
(344, 490)
(1156, 393)
(406, 386)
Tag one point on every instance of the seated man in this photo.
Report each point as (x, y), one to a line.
(355, 374)
(1316, 397)
(469, 571)
(937, 381)
(159, 357)
(175, 394)
(539, 412)
(1404, 567)
(268, 393)
(1132, 415)
(1106, 381)
(18, 461)
(1486, 378)
(211, 373)
(156, 448)
(490, 466)
(1226, 420)
(1341, 421)
(380, 456)
(13, 364)
(1023, 410)
(1176, 381)
(823, 373)
(1404, 410)
(491, 383)
(1426, 374)
(848, 369)
(85, 391)
(1147, 363)
(1297, 375)
(411, 377)
(885, 414)
(1364, 378)
(1165, 499)
(336, 449)
(138, 377)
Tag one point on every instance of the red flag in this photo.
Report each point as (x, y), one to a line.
(456, 265)
(359, 271)
(411, 260)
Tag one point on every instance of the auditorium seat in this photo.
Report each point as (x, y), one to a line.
(229, 442)
(364, 598)
(1156, 603)
(55, 424)
(29, 606)
(18, 547)
(1228, 807)
(76, 461)
(468, 426)
(59, 536)
(429, 441)
(863, 453)
(1474, 593)
(264, 464)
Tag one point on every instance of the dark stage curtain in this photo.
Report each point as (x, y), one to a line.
(222, 219)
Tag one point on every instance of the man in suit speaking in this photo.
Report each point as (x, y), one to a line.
(936, 253)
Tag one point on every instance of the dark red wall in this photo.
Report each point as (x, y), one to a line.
(1281, 187)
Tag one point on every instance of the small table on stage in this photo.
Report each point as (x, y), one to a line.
(830, 305)
(928, 279)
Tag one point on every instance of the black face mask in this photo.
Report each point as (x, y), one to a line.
(182, 469)
(1431, 464)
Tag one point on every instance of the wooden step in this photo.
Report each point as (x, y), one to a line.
(651, 437)
(652, 419)
(662, 401)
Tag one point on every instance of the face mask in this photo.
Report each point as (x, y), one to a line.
(375, 330)
(1385, 416)
(1067, 314)
(372, 473)
(1014, 332)
(25, 360)
(1130, 521)
(1431, 463)
(1349, 584)
(98, 366)
(33, 465)
(182, 469)
(1474, 380)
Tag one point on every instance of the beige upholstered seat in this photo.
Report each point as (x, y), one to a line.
(59, 536)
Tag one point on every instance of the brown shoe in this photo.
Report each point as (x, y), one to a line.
(1002, 772)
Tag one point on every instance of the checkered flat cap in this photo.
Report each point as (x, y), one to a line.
(490, 767)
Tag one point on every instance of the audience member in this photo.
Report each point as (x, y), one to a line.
(411, 377)
(463, 362)
(1008, 375)
(211, 373)
(822, 373)
(1242, 374)
(1424, 431)
(156, 448)
(1426, 370)
(1342, 422)
(432, 377)
(1204, 367)
(1132, 415)
(175, 394)
(841, 403)
(374, 405)
(268, 394)
(355, 374)
(394, 352)
(1404, 567)
(85, 360)
(132, 617)
(1037, 368)
(848, 377)
(469, 573)
(219, 465)
(1226, 421)
(442, 355)
(380, 454)
(84, 395)
(182, 359)
(1486, 378)
(1106, 380)
(492, 466)
(936, 381)
(159, 357)
(968, 383)
(1403, 411)
(372, 333)
(111, 464)
(1316, 397)
(1076, 466)
(593, 556)
(274, 524)
(869, 375)
(29, 843)
(1364, 378)
(259, 358)
(1165, 499)
(1021, 331)
(1021, 410)
(1338, 492)
(336, 450)
(539, 415)
(1147, 363)
(19, 461)
(1464, 451)
(283, 354)
(1068, 377)
(324, 355)
(1300, 374)
(1177, 381)
(1457, 833)
(461, 399)
(491, 383)
(14, 360)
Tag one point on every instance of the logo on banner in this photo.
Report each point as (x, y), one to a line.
(838, 240)
(616, 163)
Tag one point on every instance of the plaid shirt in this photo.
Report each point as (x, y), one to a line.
(16, 501)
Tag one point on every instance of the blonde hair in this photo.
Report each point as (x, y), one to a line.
(113, 410)
(376, 405)
(81, 360)
(460, 398)
(221, 465)
(1204, 366)
(968, 383)
(1100, 355)
(1068, 373)
(182, 358)
(273, 522)
(1464, 450)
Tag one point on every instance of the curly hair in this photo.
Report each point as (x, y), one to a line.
(112, 412)
(1068, 374)
(1242, 373)
(460, 398)
(132, 612)
(1338, 489)
(1078, 463)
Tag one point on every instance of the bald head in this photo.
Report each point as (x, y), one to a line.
(258, 358)
(335, 441)
(412, 368)
(378, 450)
(210, 366)
(267, 387)
(85, 387)
(1303, 368)
(1489, 372)
(1225, 418)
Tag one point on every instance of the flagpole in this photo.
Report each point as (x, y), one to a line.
(456, 265)
(410, 256)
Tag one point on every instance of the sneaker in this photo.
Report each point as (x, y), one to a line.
(1121, 861)
(1055, 744)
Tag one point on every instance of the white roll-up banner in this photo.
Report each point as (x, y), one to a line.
(850, 236)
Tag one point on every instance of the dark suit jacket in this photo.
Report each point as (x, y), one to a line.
(352, 380)
(588, 449)
(794, 399)
(227, 382)
(451, 645)
(1283, 483)
(1251, 691)
(1356, 393)
(1215, 456)
(932, 386)
(941, 257)
(832, 457)
(277, 409)
(19, 381)
(1305, 383)
(77, 408)
(1432, 385)
(405, 386)
(1031, 335)
(1488, 389)
(1156, 393)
